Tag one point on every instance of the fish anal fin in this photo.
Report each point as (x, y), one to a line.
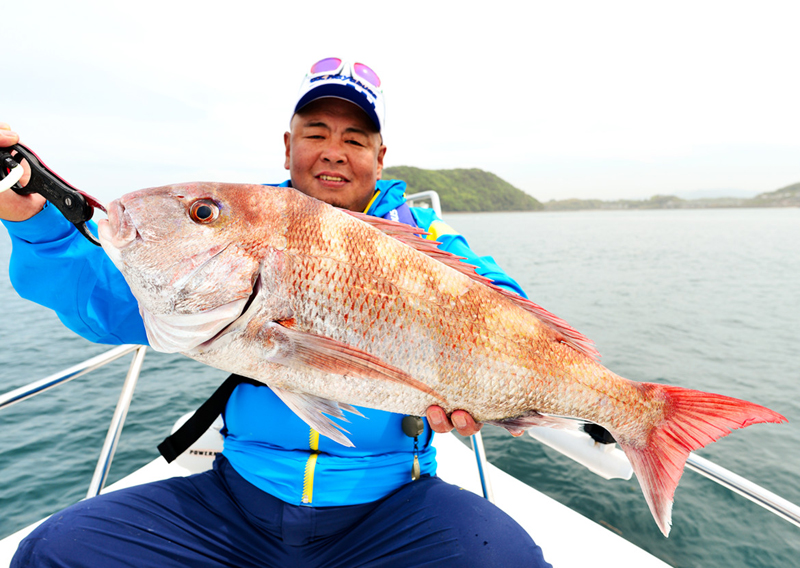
(692, 419)
(518, 424)
(300, 349)
(565, 333)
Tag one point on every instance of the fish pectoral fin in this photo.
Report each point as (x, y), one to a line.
(300, 349)
(312, 409)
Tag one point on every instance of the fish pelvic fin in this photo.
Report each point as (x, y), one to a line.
(312, 410)
(691, 420)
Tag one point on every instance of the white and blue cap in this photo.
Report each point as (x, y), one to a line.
(353, 82)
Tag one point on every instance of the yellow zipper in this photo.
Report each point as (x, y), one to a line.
(371, 201)
(308, 477)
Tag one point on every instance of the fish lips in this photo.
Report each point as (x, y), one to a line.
(119, 230)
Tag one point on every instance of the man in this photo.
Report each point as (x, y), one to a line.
(280, 495)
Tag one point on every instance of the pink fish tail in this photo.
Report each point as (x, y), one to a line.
(692, 419)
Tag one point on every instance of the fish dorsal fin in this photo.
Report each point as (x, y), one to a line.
(565, 333)
(409, 235)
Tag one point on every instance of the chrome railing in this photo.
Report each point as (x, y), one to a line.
(123, 403)
(746, 488)
(117, 422)
(436, 205)
(483, 472)
(38, 387)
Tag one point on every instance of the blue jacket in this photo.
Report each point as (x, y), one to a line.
(53, 265)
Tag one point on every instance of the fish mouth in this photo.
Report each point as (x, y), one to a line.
(119, 230)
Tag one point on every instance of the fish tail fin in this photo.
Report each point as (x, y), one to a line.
(691, 420)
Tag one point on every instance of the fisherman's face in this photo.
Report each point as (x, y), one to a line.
(334, 153)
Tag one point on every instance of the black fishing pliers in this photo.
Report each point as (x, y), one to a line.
(75, 205)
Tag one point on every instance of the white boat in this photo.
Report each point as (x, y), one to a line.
(552, 525)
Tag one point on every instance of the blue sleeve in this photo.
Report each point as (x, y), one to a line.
(454, 243)
(53, 265)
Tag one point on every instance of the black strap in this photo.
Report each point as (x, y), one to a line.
(177, 443)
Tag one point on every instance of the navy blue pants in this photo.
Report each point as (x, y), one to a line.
(216, 518)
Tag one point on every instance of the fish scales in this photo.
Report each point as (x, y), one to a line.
(332, 309)
(388, 305)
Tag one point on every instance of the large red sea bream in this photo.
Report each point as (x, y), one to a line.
(332, 309)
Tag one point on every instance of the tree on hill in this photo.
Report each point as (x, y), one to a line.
(465, 190)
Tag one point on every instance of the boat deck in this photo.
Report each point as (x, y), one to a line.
(553, 526)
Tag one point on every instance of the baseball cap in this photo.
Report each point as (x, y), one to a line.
(353, 82)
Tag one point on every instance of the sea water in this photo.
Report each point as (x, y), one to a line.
(706, 299)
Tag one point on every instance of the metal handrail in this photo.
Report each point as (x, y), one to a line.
(746, 488)
(123, 403)
(117, 422)
(38, 387)
(483, 465)
(436, 204)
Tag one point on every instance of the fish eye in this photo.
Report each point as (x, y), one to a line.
(203, 211)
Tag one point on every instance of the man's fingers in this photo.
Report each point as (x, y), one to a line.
(15, 207)
(464, 423)
(7, 136)
(438, 420)
(459, 419)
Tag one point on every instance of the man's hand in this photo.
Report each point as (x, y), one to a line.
(462, 421)
(14, 207)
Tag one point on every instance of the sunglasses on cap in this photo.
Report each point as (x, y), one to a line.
(336, 66)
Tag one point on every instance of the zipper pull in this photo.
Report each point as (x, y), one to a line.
(413, 426)
(415, 465)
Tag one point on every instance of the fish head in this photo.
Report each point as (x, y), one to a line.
(190, 254)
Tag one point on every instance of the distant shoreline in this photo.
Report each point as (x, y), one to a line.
(474, 190)
(788, 197)
(539, 211)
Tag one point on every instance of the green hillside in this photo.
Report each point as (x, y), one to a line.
(474, 190)
(465, 189)
(788, 196)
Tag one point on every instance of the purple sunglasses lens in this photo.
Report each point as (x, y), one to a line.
(367, 74)
(326, 65)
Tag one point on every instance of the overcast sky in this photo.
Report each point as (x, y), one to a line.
(562, 99)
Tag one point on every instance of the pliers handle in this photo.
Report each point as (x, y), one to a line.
(75, 205)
